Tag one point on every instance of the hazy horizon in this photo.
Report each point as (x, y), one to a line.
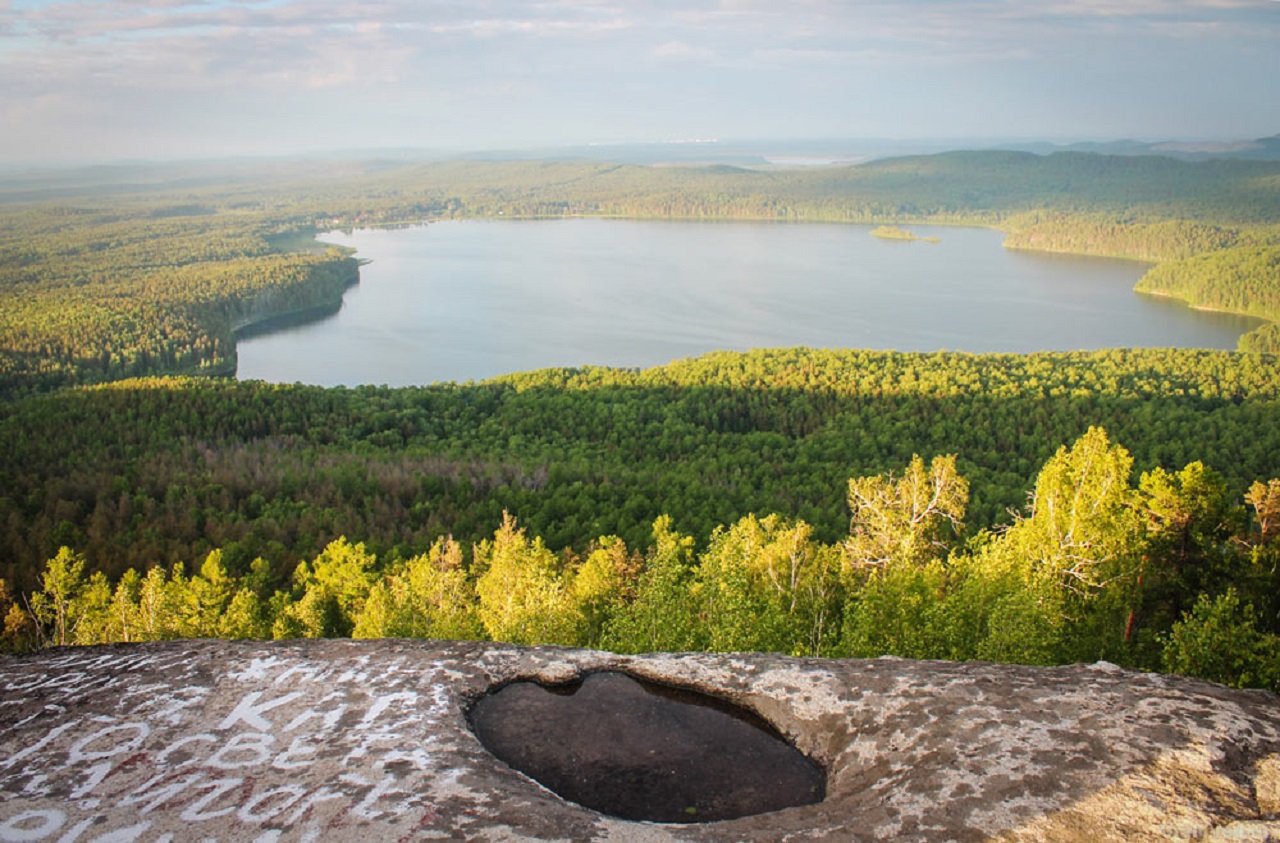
(119, 80)
(785, 152)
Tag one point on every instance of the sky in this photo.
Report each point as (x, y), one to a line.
(104, 80)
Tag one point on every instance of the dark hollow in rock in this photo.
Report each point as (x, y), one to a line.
(642, 751)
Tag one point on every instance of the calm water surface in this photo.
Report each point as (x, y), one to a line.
(474, 299)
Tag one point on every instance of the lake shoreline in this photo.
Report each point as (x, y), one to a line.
(274, 321)
(482, 300)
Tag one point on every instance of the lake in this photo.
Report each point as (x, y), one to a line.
(456, 301)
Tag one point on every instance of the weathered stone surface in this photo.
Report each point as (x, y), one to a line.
(341, 740)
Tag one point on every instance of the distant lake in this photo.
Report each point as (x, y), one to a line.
(474, 299)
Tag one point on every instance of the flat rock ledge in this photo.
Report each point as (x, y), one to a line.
(369, 741)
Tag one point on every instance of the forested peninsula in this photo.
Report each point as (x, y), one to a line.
(1039, 508)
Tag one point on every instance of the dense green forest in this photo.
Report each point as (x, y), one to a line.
(90, 297)
(1244, 279)
(150, 473)
(1093, 568)
(165, 470)
(734, 501)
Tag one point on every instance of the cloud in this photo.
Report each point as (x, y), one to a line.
(90, 19)
(1143, 8)
(680, 51)
(271, 66)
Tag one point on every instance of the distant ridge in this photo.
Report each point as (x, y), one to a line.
(1259, 149)
(25, 183)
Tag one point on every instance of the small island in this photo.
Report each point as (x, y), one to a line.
(892, 232)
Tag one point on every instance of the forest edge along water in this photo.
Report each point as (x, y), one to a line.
(469, 300)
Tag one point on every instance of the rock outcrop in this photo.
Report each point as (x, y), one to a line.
(343, 740)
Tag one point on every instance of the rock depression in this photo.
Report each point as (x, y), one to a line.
(642, 751)
(370, 740)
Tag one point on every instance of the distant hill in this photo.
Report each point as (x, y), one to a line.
(809, 153)
(1259, 149)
